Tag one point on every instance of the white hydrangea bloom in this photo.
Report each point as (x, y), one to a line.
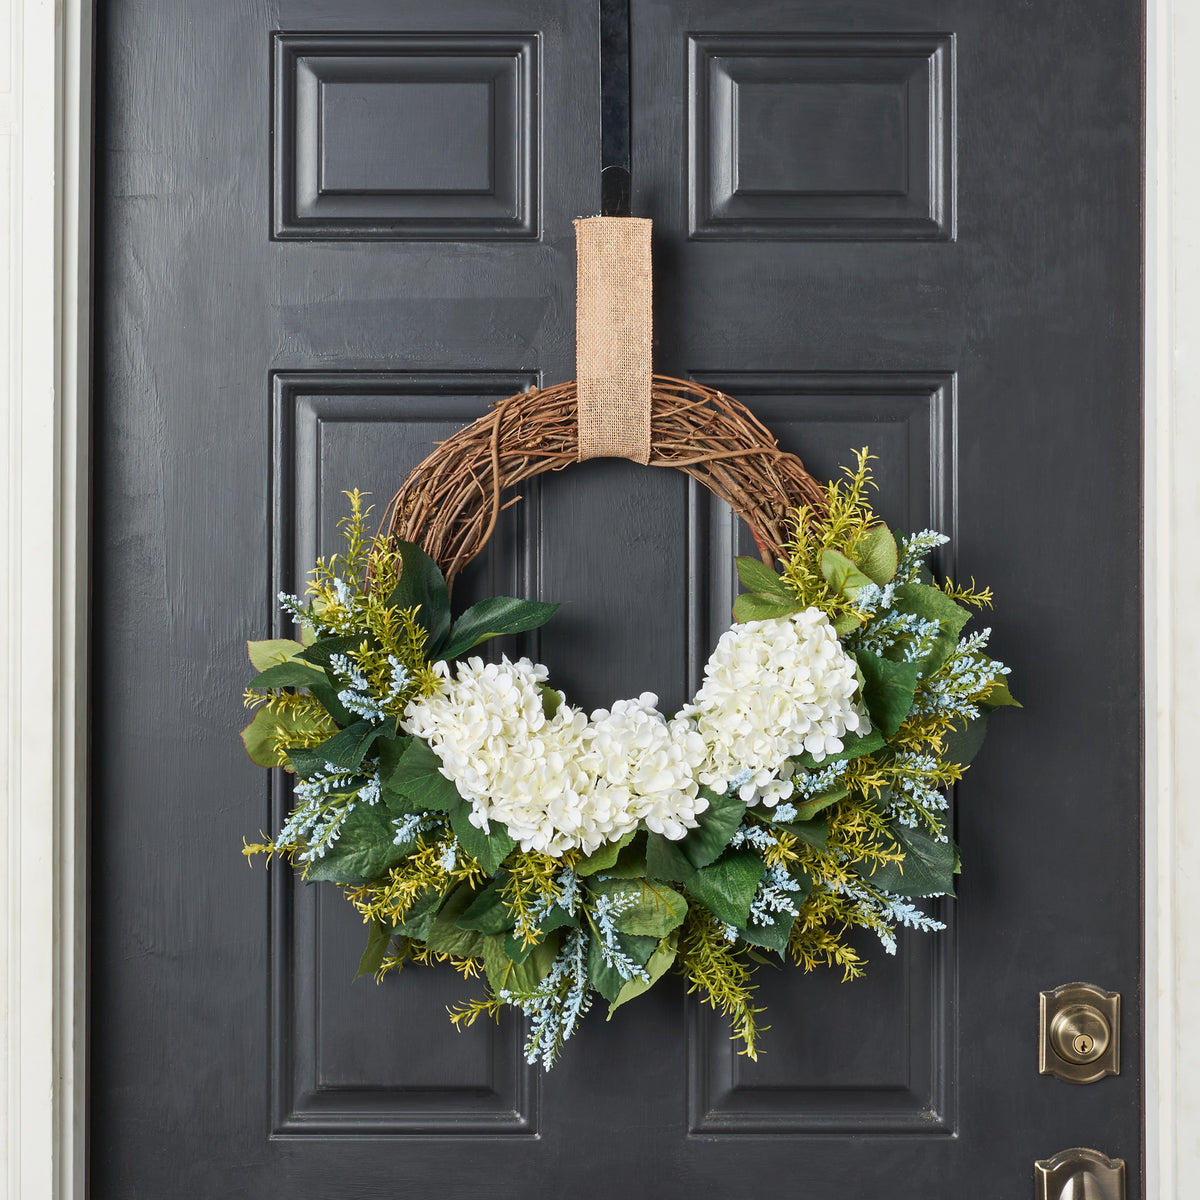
(564, 782)
(772, 690)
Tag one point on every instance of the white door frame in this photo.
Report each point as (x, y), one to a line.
(45, 123)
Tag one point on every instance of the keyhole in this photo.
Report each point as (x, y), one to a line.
(1083, 1044)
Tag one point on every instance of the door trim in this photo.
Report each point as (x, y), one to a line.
(45, 257)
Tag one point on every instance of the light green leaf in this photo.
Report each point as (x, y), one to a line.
(999, 696)
(379, 936)
(755, 576)
(504, 974)
(717, 824)
(495, 617)
(727, 887)
(763, 606)
(841, 574)
(604, 857)
(551, 700)
(809, 809)
(876, 555)
(422, 586)
(927, 868)
(657, 966)
(272, 652)
(888, 689)
(654, 908)
(259, 736)
(363, 851)
(847, 622)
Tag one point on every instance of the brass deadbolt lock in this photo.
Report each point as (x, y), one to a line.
(1080, 1033)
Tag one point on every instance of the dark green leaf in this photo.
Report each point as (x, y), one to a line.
(814, 832)
(504, 974)
(321, 652)
(717, 825)
(348, 747)
(422, 586)
(418, 917)
(876, 555)
(841, 574)
(665, 860)
(291, 674)
(364, 849)
(755, 576)
(931, 604)
(605, 857)
(727, 887)
(888, 689)
(418, 777)
(446, 935)
(763, 606)
(487, 912)
(607, 980)
(272, 652)
(495, 617)
(657, 966)
(770, 937)
(654, 908)
(927, 869)
(389, 751)
(963, 743)
(379, 936)
(489, 850)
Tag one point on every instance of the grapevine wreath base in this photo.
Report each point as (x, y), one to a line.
(472, 815)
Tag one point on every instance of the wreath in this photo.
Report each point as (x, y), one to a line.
(473, 815)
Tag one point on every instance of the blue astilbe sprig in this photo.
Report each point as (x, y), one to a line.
(409, 828)
(755, 836)
(774, 896)
(873, 598)
(605, 910)
(967, 675)
(917, 796)
(914, 636)
(809, 784)
(555, 1006)
(915, 548)
(323, 802)
(358, 697)
(883, 912)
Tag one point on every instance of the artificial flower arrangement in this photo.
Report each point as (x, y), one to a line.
(472, 815)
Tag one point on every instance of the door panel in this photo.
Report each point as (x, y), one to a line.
(329, 235)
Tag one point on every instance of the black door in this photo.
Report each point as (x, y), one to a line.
(329, 234)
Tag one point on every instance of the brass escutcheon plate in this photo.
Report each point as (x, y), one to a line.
(1080, 1174)
(1080, 1035)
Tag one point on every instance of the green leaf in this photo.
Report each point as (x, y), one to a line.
(962, 744)
(495, 617)
(814, 832)
(297, 674)
(418, 917)
(321, 652)
(654, 908)
(489, 850)
(446, 935)
(841, 574)
(717, 825)
(761, 606)
(847, 622)
(422, 586)
(487, 912)
(888, 689)
(876, 555)
(927, 869)
(418, 777)
(364, 849)
(999, 696)
(665, 860)
(809, 809)
(523, 977)
(551, 700)
(389, 751)
(259, 736)
(931, 604)
(272, 652)
(775, 936)
(603, 858)
(657, 966)
(608, 980)
(727, 887)
(348, 747)
(379, 936)
(755, 576)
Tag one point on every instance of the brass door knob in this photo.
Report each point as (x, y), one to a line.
(1080, 1031)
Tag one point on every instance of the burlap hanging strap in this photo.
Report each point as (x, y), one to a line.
(612, 337)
